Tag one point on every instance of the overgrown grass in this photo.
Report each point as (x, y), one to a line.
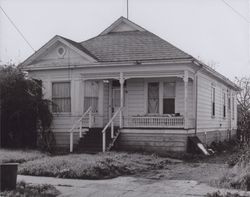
(19, 156)
(85, 166)
(23, 189)
(238, 176)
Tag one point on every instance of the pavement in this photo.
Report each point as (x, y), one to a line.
(127, 187)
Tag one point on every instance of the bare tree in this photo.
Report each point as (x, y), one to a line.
(243, 99)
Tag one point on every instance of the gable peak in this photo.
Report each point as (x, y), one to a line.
(122, 25)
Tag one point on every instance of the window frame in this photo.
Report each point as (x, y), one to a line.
(224, 109)
(159, 100)
(213, 101)
(70, 99)
(168, 97)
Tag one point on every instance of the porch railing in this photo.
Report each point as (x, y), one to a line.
(111, 124)
(154, 122)
(78, 125)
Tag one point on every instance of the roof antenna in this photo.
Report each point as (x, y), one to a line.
(127, 9)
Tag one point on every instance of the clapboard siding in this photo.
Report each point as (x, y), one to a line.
(159, 142)
(205, 120)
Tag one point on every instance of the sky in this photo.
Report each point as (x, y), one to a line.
(206, 29)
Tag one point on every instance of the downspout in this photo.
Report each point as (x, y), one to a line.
(196, 96)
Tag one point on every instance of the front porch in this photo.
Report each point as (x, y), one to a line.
(147, 102)
(114, 103)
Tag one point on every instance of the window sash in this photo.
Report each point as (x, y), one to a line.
(61, 97)
(224, 104)
(213, 101)
(153, 97)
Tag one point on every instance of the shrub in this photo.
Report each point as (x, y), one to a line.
(23, 109)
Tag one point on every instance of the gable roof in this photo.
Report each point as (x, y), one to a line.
(72, 44)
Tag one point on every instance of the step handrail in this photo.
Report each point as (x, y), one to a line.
(79, 121)
(110, 123)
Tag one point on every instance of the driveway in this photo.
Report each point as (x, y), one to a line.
(126, 187)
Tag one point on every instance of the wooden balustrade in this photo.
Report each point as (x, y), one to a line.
(86, 118)
(111, 124)
(154, 122)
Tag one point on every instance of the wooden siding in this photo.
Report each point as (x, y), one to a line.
(154, 142)
(162, 141)
(204, 110)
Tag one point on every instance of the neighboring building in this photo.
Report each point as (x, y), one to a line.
(160, 93)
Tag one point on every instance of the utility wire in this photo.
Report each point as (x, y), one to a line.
(17, 29)
(236, 12)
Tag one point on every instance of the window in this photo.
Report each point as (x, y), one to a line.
(229, 103)
(213, 101)
(233, 106)
(91, 92)
(153, 98)
(168, 98)
(61, 97)
(224, 104)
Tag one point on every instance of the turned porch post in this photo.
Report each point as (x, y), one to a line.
(185, 79)
(121, 98)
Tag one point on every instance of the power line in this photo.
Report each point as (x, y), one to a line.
(17, 29)
(235, 11)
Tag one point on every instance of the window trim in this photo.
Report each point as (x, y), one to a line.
(213, 101)
(161, 96)
(224, 104)
(70, 85)
(169, 97)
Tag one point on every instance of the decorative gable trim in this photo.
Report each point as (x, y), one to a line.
(120, 21)
(49, 44)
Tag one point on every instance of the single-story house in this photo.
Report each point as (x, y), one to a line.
(129, 88)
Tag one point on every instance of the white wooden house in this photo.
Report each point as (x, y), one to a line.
(129, 82)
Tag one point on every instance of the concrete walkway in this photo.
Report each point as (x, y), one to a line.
(126, 187)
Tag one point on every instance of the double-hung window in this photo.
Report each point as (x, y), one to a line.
(224, 104)
(61, 97)
(153, 98)
(168, 98)
(213, 100)
(91, 92)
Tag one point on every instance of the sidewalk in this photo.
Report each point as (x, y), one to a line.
(126, 187)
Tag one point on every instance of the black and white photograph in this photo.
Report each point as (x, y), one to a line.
(124, 98)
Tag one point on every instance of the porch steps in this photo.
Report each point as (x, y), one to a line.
(91, 142)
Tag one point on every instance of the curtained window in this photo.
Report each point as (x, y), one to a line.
(61, 97)
(153, 98)
(91, 92)
(168, 98)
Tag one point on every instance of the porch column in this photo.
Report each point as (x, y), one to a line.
(121, 98)
(185, 79)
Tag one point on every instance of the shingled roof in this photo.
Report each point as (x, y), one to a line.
(132, 46)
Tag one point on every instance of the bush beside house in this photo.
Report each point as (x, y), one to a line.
(23, 109)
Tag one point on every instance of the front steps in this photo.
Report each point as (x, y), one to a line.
(91, 141)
